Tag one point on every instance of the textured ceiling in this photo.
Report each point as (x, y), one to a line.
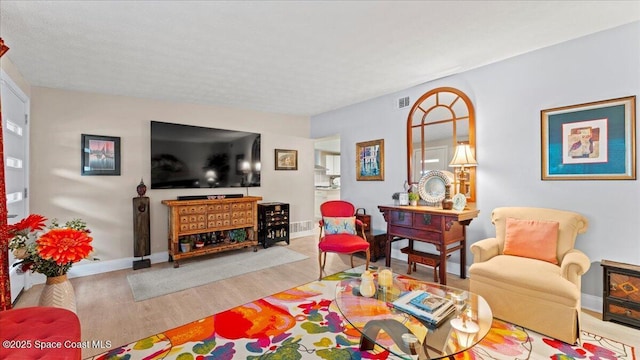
(290, 57)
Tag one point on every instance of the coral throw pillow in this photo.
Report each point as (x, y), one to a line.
(534, 239)
(339, 225)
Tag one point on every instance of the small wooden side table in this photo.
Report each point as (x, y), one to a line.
(377, 242)
(621, 293)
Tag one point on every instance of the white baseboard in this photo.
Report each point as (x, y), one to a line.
(302, 234)
(591, 302)
(86, 268)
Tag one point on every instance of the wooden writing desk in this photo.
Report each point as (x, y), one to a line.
(446, 229)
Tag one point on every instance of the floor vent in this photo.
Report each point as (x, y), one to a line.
(403, 102)
(300, 227)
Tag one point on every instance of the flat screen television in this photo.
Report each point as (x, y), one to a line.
(185, 156)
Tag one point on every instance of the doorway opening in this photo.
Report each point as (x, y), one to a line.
(326, 171)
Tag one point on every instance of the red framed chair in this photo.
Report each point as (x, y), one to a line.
(338, 232)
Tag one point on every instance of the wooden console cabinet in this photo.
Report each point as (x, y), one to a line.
(621, 293)
(446, 229)
(211, 220)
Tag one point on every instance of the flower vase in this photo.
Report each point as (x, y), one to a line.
(20, 253)
(58, 292)
(367, 286)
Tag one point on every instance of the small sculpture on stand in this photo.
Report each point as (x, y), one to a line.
(141, 188)
(141, 228)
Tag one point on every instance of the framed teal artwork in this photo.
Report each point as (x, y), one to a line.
(591, 141)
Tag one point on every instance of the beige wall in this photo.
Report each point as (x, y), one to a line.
(58, 118)
(10, 69)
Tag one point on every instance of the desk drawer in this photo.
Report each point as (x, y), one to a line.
(401, 218)
(417, 234)
(427, 221)
(625, 311)
(192, 209)
(624, 287)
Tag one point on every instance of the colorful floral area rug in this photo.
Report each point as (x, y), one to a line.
(302, 323)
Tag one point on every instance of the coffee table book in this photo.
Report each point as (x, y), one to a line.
(403, 303)
(429, 302)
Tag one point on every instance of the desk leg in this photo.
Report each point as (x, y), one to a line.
(442, 250)
(387, 250)
(463, 259)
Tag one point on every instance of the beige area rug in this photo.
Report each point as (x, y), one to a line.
(154, 283)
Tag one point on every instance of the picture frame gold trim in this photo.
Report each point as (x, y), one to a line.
(370, 160)
(590, 141)
(286, 159)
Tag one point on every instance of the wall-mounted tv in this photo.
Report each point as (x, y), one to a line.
(185, 156)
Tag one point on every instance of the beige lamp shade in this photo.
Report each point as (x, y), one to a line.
(463, 157)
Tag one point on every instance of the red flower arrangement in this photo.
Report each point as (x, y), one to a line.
(54, 252)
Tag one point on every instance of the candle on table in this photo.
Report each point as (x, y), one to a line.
(385, 278)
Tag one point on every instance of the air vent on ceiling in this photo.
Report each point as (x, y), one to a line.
(403, 102)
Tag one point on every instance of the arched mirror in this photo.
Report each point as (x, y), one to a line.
(440, 120)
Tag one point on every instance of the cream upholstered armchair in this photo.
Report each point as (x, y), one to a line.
(530, 272)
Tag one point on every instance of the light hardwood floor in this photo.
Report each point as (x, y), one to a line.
(108, 312)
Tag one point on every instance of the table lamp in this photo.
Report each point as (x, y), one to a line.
(462, 159)
(465, 330)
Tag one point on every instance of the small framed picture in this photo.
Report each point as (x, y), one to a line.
(591, 141)
(100, 155)
(286, 159)
(370, 160)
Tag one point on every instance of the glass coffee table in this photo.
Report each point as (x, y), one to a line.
(383, 327)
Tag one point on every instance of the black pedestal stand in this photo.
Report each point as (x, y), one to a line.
(141, 264)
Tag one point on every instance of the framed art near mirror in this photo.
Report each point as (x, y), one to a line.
(370, 160)
(439, 120)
